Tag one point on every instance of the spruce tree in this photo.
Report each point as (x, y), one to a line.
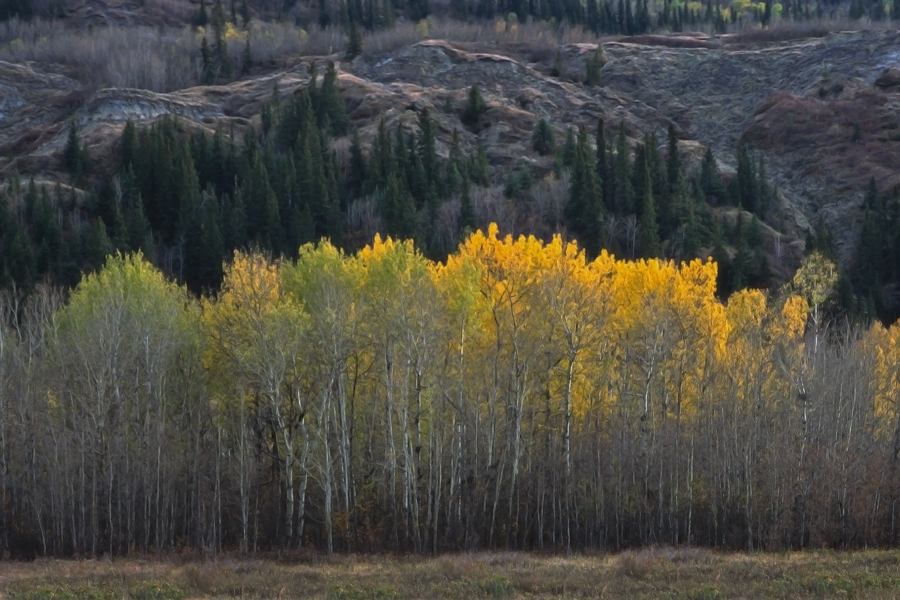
(222, 58)
(624, 191)
(543, 140)
(475, 106)
(478, 170)
(569, 149)
(583, 211)
(354, 42)
(468, 221)
(73, 155)
(358, 169)
(332, 104)
(427, 149)
(648, 225)
(593, 65)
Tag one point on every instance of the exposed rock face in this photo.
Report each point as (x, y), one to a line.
(823, 111)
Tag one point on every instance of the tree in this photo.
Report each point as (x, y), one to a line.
(585, 206)
(255, 341)
(815, 281)
(475, 106)
(593, 65)
(354, 42)
(74, 155)
(543, 140)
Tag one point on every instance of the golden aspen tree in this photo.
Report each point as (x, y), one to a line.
(255, 338)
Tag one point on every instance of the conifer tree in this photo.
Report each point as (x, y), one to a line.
(74, 155)
(222, 59)
(427, 151)
(583, 211)
(624, 191)
(603, 167)
(354, 42)
(543, 140)
(468, 221)
(331, 103)
(247, 57)
(478, 170)
(593, 65)
(648, 225)
(569, 149)
(475, 106)
(710, 183)
(201, 18)
(357, 169)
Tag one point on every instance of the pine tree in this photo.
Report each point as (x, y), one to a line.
(222, 58)
(455, 166)
(709, 179)
(583, 211)
(332, 103)
(569, 149)
(358, 169)
(624, 191)
(247, 57)
(475, 106)
(127, 146)
(603, 167)
(468, 221)
(478, 170)
(245, 14)
(593, 65)
(354, 42)
(207, 70)
(427, 150)
(201, 18)
(648, 225)
(543, 140)
(73, 154)
(140, 238)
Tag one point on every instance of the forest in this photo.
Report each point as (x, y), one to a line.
(285, 338)
(516, 395)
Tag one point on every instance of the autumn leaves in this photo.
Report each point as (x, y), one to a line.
(516, 395)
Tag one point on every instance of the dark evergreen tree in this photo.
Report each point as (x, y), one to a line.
(74, 156)
(478, 169)
(710, 183)
(623, 191)
(475, 106)
(331, 104)
(427, 150)
(648, 226)
(357, 170)
(543, 140)
(354, 42)
(584, 210)
(201, 17)
(569, 149)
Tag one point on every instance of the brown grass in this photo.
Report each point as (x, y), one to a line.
(647, 573)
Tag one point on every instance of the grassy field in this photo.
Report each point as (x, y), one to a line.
(656, 573)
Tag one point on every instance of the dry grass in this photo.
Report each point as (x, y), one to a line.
(156, 59)
(649, 573)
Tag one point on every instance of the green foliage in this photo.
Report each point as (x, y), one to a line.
(354, 42)
(543, 140)
(475, 106)
(75, 156)
(593, 65)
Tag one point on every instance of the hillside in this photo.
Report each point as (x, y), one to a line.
(819, 112)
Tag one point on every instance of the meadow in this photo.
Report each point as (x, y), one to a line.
(657, 573)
